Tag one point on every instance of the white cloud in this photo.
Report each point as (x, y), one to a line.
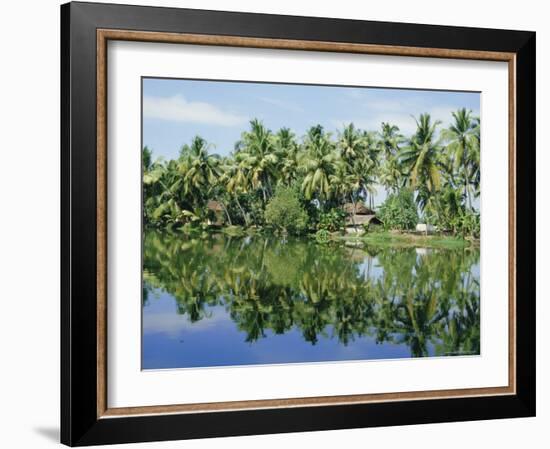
(178, 109)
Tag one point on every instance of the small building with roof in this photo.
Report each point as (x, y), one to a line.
(359, 217)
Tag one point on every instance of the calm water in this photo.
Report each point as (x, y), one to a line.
(222, 301)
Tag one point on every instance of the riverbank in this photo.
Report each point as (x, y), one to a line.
(381, 238)
(407, 240)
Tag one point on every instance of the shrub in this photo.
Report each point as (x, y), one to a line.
(468, 224)
(284, 211)
(332, 221)
(399, 211)
(322, 236)
(372, 228)
(233, 231)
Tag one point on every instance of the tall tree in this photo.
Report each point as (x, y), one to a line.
(286, 149)
(236, 180)
(420, 157)
(351, 143)
(390, 173)
(359, 157)
(390, 139)
(199, 169)
(318, 163)
(462, 138)
(257, 148)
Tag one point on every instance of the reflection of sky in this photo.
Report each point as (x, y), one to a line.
(171, 341)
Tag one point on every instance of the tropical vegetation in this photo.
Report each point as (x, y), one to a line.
(277, 180)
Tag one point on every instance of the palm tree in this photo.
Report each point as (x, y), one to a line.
(165, 199)
(420, 157)
(329, 171)
(257, 148)
(351, 144)
(359, 158)
(200, 170)
(390, 139)
(286, 150)
(462, 139)
(391, 174)
(152, 188)
(368, 166)
(318, 163)
(236, 180)
(146, 158)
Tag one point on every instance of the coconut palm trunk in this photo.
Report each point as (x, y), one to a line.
(353, 212)
(242, 210)
(226, 213)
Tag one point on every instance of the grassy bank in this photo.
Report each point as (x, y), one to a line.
(408, 240)
(381, 238)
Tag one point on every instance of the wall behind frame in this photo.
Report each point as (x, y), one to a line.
(29, 186)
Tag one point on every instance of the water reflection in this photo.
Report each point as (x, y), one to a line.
(231, 301)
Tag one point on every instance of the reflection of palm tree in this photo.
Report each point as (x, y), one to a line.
(416, 322)
(462, 335)
(429, 302)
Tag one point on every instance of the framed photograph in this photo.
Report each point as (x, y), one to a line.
(282, 224)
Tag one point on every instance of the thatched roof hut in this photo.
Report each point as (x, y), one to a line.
(360, 209)
(362, 220)
(217, 209)
(214, 206)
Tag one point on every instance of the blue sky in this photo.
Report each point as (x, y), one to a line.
(176, 110)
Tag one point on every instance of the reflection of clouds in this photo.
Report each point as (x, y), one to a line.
(373, 271)
(173, 324)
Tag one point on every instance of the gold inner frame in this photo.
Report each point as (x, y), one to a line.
(104, 35)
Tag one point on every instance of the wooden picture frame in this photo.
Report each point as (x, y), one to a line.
(86, 29)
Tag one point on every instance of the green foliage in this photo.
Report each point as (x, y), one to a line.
(332, 221)
(373, 228)
(284, 211)
(322, 236)
(468, 224)
(255, 209)
(438, 167)
(273, 286)
(146, 158)
(233, 231)
(387, 239)
(399, 211)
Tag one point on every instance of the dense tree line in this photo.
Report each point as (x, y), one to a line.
(437, 167)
